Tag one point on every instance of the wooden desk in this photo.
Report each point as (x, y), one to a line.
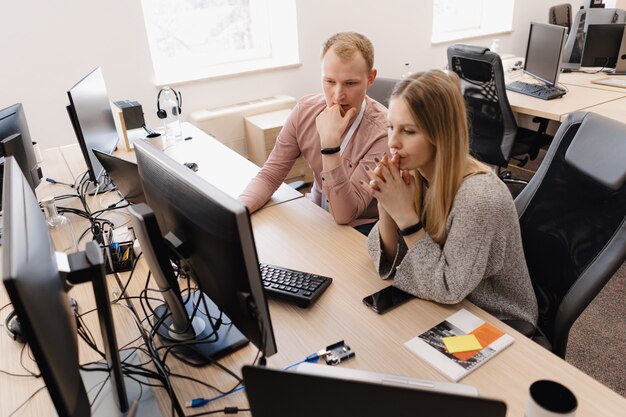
(300, 235)
(216, 162)
(584, 80)
(577, 98)
(614, 109)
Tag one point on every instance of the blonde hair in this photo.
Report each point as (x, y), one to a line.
(347, 44)
(438, 109)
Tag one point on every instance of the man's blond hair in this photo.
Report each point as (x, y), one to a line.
(347, 43)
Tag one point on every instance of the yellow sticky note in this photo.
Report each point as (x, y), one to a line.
(461, 343)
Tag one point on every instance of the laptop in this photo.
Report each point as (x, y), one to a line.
(124, 174)
(276, 393)
(620, 66)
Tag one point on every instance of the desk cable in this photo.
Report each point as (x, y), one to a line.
(199, 402)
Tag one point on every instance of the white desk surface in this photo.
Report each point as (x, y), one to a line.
(577, 98)
(216, 162)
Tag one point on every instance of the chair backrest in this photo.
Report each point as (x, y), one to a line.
(573, 220)
(492, 124)
(381, 89)
(573, 49)
(561, 15)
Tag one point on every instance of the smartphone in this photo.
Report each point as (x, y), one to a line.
(386, 299)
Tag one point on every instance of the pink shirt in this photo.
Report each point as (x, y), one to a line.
(348, 203)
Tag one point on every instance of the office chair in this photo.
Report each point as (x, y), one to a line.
(573, 221)
(495, 137)
(575, 43)
(561, 15)
(381, 90)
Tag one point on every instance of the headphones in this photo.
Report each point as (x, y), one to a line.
(13, 327)
(161, 113)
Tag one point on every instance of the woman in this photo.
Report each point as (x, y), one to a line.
(448, 229)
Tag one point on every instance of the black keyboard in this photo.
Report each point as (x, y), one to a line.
(543, 92)
(298, 287)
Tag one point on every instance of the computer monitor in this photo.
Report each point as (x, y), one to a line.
(602, 45)
(212, 233)
(277, 393)
(543, 52)
(92, 119)
(35, 285)
(13, 122)
(124, 175)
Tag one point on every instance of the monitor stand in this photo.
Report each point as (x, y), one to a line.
(101, 396)
(208, 345)
(101, 189)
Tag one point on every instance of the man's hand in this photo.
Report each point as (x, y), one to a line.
(331, 124)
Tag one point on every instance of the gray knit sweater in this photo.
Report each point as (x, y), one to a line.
(482, 259)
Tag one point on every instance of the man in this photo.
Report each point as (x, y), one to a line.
(339, 133)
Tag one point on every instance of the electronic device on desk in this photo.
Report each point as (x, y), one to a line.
(92, 119)
(210, 233)
(299, 287)
(542, 61)
(35, 284)
(344, 392)
(124, 175)
(611, 82)
(602, 46)
(387, 299)
(15, 141)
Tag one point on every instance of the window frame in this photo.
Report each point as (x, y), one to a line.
(496, 17)
(281, 50)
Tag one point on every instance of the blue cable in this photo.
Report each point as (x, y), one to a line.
(199, 402)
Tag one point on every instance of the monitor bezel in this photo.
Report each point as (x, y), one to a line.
(553, 82)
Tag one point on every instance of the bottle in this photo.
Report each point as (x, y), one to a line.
(60, 227)
(495, 45)
(169, 103)
(407, 70)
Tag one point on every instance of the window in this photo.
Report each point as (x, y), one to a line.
(458, 19)
(194, 39)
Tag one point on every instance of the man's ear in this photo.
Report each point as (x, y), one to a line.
(371, 77)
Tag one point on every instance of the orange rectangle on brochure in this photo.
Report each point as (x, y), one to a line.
(486, 334)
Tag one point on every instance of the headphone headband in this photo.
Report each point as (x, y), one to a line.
(162, 113)
(12, 326)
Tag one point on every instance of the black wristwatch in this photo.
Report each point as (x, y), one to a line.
(330, 151)
(411, 229)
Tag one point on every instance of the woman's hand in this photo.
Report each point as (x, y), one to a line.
(395, 191)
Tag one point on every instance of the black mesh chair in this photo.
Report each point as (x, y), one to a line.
(495, 137)
(381, 89)
(573, 220)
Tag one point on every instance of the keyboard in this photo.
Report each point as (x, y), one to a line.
(543, 92)
(301, 288)
(613, 82)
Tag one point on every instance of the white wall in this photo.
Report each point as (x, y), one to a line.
(51, 45)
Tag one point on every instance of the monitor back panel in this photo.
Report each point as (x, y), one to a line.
(285, 394)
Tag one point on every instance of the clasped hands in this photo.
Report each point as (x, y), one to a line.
(394, 188)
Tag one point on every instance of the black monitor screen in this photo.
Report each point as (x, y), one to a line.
(216, 240)
(543, 52)
(124, 175)
(13, 121)
(602, 45)
(35, 287)
(92, 119)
